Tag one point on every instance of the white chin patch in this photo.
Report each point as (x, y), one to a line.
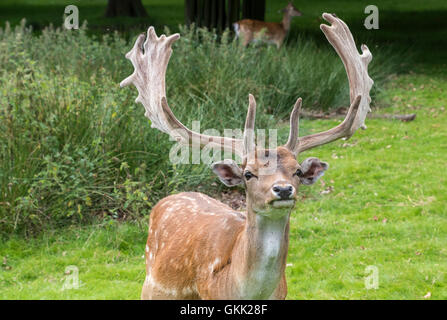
(283, 203)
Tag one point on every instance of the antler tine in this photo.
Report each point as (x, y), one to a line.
(360, 84)
(249, 129)
(150, 60)
(292, 142)
(133, 55)
(338, 132)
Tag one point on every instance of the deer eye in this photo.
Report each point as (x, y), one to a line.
(248, 175)
(298, 173)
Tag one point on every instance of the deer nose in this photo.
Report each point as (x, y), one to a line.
(283, 192)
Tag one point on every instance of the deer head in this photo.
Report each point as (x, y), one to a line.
(271, 176)
(291, 10)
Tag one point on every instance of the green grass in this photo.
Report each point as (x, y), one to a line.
(108, 257)
(387, 209)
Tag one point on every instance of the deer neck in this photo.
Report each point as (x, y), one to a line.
(262, 252)
(286, 20)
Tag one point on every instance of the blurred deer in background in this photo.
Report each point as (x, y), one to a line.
(200, 248)
(254, 30)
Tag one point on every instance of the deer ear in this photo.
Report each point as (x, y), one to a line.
(311, 170)
(228, 172)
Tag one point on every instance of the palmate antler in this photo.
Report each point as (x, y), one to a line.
(360, 84)
(150, 61)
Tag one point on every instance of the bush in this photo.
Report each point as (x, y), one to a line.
(75, 147)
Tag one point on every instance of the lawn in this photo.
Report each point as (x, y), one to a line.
(81, 167)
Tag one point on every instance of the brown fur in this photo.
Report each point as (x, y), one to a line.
(198, 247)
(181, 251)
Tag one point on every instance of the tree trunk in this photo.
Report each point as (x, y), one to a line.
(221, 14)
(259, 11)
(191, 11)
(130, 8)
(253, 9)
(234, 8)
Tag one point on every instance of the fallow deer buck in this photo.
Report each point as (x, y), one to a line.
(254, 30)
(198, 247)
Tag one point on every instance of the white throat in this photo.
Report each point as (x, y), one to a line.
(264, 272)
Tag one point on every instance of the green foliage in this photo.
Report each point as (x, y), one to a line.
(69, 135)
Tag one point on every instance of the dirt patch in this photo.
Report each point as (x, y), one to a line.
(234, 198)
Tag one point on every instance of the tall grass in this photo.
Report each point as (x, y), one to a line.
(75, 147)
